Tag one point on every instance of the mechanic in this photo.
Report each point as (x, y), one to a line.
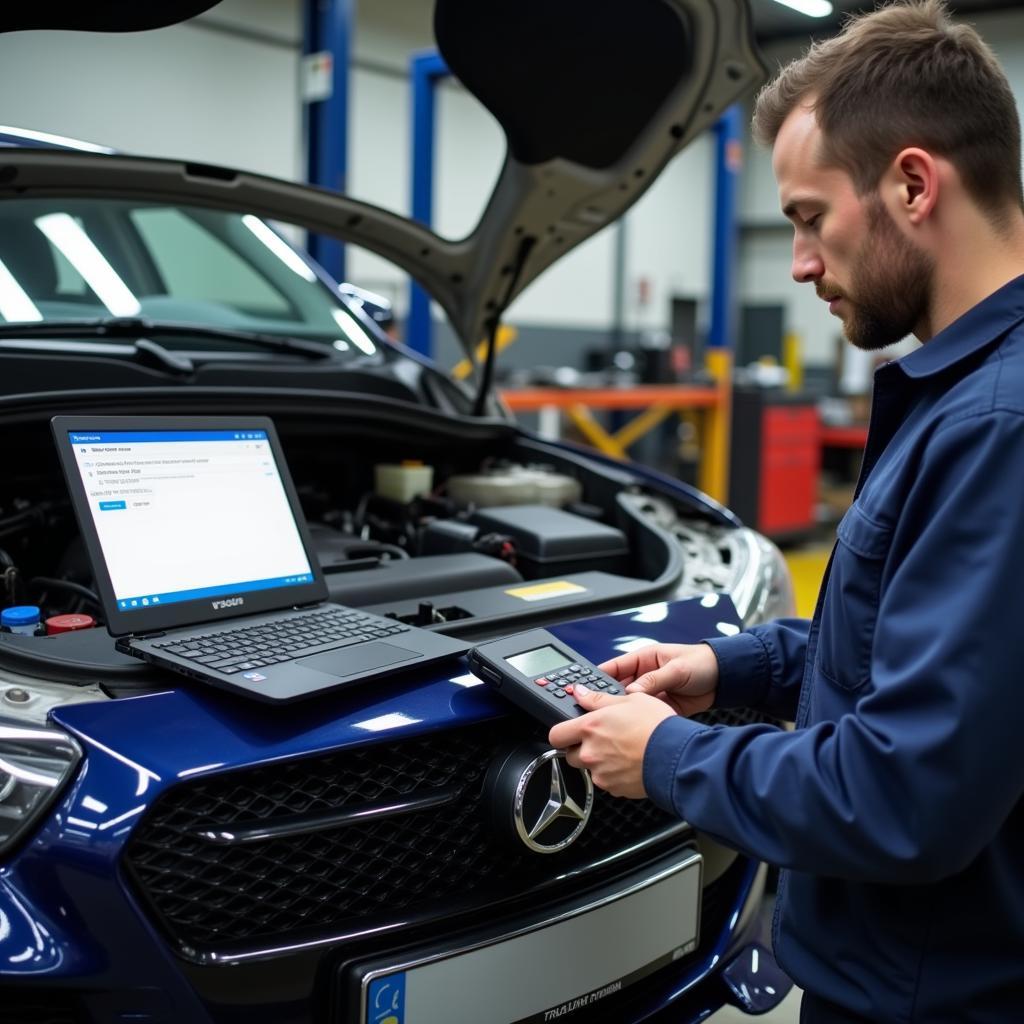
(895, 806)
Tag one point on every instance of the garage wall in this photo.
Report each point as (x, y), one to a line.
(188, 90)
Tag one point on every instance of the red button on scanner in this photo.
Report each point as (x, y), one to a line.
(542, 681)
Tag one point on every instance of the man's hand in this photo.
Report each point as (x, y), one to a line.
(684, 676)
(610, 741)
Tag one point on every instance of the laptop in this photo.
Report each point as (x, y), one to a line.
(203, 560)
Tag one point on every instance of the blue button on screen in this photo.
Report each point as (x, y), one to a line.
(110, 506)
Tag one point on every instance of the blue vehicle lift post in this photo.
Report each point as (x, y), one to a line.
(714, 478)
(328, 31)
(728, 162)
(425, 71)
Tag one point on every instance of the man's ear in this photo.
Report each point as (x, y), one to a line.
(913, 180)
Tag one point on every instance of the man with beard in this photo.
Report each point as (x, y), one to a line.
(895, 805)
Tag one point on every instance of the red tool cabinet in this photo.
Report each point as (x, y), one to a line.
(775, 461)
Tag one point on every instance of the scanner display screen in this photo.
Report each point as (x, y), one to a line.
(541, 659)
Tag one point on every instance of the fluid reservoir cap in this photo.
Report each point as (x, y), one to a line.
(68, 623)
(19, 615)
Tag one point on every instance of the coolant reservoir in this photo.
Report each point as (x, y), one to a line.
(514, 485)
(404, 481)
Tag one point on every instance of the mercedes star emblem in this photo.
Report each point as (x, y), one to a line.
(553, 801)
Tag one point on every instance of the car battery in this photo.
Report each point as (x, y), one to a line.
(550, 541)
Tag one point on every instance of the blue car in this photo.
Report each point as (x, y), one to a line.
(400, 852)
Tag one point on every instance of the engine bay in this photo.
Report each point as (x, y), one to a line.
(469, 529)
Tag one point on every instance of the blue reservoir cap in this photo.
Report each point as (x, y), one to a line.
(19, 615)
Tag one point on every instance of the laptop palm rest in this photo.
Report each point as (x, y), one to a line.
(347, 661)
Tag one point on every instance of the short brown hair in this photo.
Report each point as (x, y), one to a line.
(905, 75)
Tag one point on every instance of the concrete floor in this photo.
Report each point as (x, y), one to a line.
(787, 1012)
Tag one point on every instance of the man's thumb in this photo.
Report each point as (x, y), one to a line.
(587, 698)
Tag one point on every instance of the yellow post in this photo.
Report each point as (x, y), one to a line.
(589, 427)
(793, 361)
(713, 473)
(642, 424)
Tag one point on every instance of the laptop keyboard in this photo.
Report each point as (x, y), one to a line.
(238, 650)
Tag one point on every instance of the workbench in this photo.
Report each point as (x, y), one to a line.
(653, 403)
(790, 472)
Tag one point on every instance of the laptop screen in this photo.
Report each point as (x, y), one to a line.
(185, 515)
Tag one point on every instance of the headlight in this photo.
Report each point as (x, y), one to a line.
(762, 588)
(34, 765)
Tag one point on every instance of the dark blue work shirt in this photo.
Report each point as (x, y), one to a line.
(896, 803)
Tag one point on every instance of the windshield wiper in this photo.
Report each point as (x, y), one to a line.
(140, 329)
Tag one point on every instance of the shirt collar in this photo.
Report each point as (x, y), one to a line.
(979, 326)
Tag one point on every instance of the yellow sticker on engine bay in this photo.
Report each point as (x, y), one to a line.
(545, 591)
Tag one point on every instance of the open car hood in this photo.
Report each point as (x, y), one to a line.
(100, 15)
(595, 97)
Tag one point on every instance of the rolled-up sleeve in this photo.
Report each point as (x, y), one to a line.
(920, 775)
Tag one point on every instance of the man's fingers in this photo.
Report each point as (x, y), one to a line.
(569, 734)
(624, 667)
(644, 660)
(645, 684)
(590, 699)
(649, 682)
(572, 756)
(565, 735)
(667, 677)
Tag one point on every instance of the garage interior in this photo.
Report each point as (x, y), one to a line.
(675, 337)
(697, 269)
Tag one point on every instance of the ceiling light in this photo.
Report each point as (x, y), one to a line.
(14, 303)
(278, 247)
(812, 8)
(353, 332)
(67, 235)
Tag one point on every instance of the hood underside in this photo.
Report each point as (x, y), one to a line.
(594, 96)
(100, 15)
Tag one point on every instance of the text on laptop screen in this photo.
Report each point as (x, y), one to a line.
(189, 514)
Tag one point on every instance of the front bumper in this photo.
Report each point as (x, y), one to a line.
(121, 908)
(123, 971)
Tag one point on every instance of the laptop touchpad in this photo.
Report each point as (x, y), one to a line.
(350, 661)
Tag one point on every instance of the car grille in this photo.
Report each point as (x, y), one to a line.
(235, 860)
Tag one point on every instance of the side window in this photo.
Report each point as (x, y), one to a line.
(197, 266)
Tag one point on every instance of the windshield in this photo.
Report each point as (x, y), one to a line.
(89, 259)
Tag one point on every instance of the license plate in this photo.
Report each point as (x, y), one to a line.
(551, 970)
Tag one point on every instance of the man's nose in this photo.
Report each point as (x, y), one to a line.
(807, 262)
